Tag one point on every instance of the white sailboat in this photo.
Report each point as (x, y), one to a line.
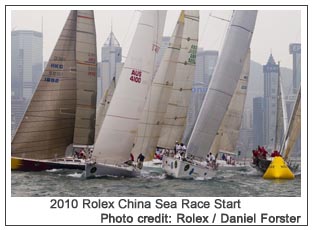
(221, 89)
(228, 134)
(62, 109)
(183, 40)
(117, 133)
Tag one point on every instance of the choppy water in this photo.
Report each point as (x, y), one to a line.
(70, 183)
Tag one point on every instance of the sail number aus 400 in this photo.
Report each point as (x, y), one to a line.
(136, 76)
(60, 203)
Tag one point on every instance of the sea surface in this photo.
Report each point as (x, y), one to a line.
(230, 183)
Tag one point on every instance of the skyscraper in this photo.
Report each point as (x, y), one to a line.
(258, 121)
(26, 62)
(205, 63)
(271, 73)
(295, 50)
(26, 69)
(110, 65)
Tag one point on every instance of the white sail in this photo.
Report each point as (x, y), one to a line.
(103, 106)
(294, 128)
(223, 83)
(175, 118)
(48, 125)
(116, 136)
(157, 101)
(86, 59)
(228, 133)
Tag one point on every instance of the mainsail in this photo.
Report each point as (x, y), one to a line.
(116, 136)
(228, 133)
(157, 101)
(175, 118)
(294, 128)
(48, 125)
(224, 82)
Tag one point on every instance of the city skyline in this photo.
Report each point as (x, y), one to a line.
(275, 29)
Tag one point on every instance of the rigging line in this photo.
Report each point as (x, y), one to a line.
(222, 19)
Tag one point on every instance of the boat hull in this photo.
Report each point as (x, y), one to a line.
(223, 166)
(100, 170)
(261, 164)
(24, 164)
(186, 170)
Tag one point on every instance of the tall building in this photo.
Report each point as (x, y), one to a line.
(258, 121)
(26, 70)
(110, 65)
(26, 62)
(295, 50)
(205, 64)
(271, 73)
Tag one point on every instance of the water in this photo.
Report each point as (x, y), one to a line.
(71, 183)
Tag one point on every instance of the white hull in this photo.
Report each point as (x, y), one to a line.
(186, 170)
(222, 165)
(100, 170)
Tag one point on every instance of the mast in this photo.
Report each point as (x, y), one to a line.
(223, 83)
(175, 118)
(117, 134)
(228, 133)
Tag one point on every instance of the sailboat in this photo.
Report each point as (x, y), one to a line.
(178, 55)
(117, 133)
(285, 135)
(61, 113)
(228, 134)
(217, 99)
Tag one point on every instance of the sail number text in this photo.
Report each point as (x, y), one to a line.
(136, 76)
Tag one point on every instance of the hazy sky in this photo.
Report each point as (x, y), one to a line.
(275, 29)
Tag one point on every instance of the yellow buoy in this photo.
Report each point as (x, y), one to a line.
(278, 169)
